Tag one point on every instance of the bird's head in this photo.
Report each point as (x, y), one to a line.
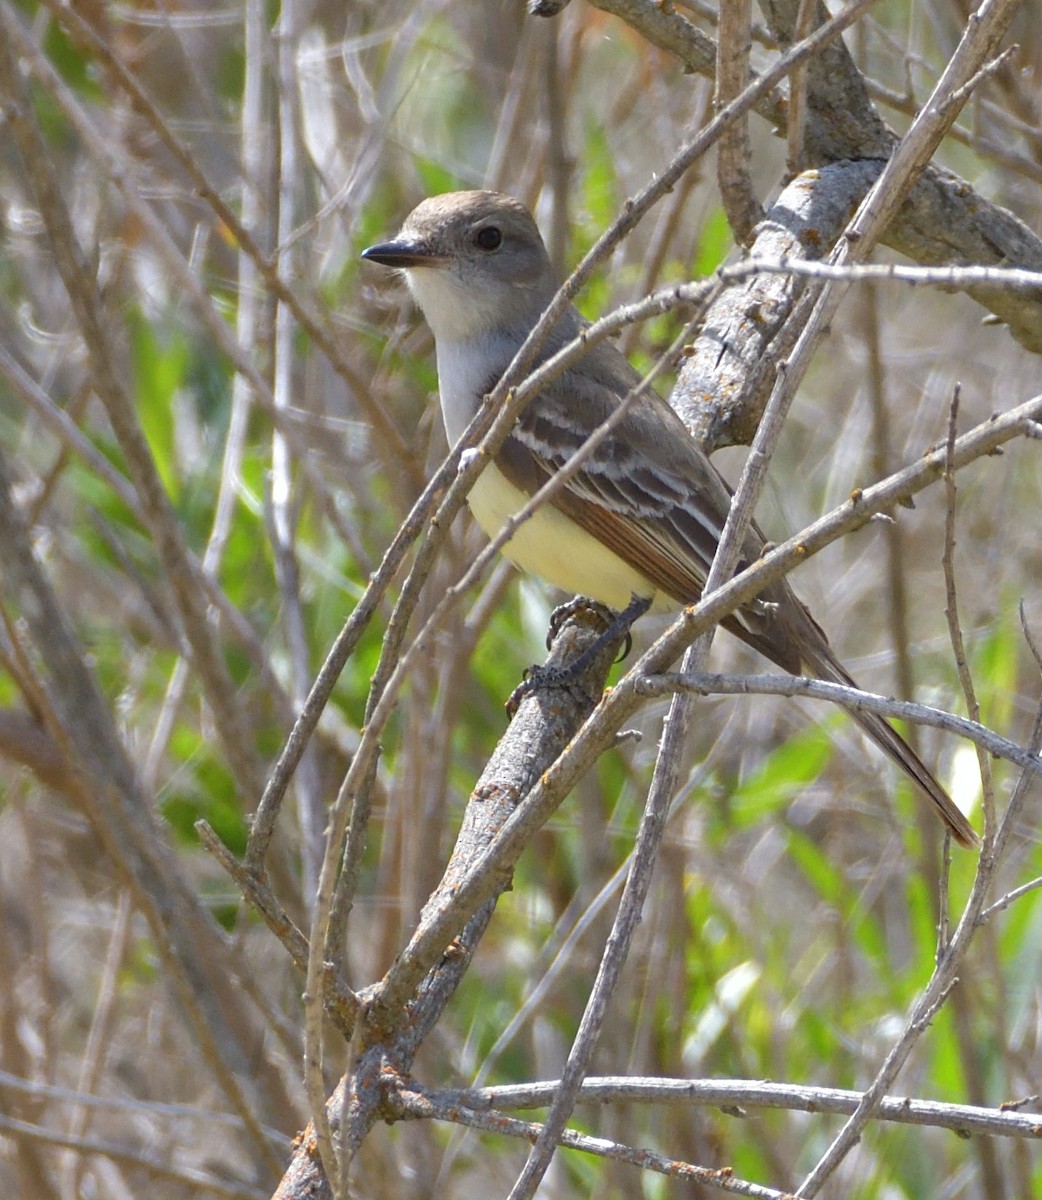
(473, 261)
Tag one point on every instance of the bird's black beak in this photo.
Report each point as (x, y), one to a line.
(403, 254)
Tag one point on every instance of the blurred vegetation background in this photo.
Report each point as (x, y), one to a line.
(291, 427)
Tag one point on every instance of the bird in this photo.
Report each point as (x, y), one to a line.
(640, 521)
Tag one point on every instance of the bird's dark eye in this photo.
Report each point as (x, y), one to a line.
(489, 237)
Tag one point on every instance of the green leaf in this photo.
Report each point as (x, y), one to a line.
(783, 774)
(600, 184)
(825, 878)
(204, 790)
(436, 177)
(715, 243)
(159, 370)
(995, 668)
(76, 69)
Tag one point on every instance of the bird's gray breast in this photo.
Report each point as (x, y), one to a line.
(467, 371)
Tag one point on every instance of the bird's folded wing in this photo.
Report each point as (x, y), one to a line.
(628, 493)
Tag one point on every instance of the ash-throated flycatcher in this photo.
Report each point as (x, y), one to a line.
(642, 517)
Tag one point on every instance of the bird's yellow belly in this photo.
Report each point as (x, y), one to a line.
(554, 547)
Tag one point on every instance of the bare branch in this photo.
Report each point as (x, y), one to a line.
(965, 1119)
(850, 698)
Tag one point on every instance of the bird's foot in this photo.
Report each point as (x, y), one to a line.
(616, 625)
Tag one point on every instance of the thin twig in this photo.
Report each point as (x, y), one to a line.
(965, 1119)
(418, 1105)
(851, 698)
(951, 612)
(186, 1177)
(342, 1004)
(795, 132)
(1005, 901)
(733, 154)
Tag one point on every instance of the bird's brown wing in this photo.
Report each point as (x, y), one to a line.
(626, 494)
(646, 492)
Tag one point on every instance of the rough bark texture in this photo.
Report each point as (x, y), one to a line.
(726, 379)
